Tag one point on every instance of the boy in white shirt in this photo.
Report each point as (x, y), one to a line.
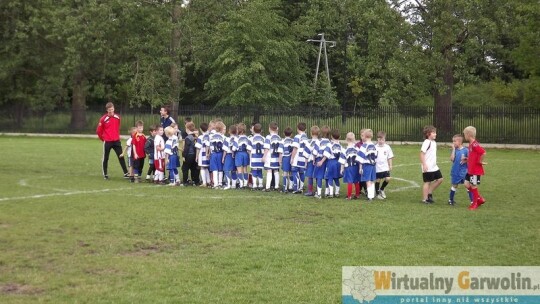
(431, 174)
(383, 164)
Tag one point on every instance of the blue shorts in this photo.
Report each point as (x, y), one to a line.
(369, 174)
(310, 169)
(256, 173)
(318, 172)
(457, 179)
(215, 161)
(333, 168)
(286, 164)
(173, 162)
(297, 169)
(241, 159)
(351, 175)
(229, 163)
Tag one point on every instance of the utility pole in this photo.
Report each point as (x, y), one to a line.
(322, 46)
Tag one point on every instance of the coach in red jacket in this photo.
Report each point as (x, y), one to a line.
(108, 130)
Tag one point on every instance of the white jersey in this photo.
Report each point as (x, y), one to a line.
(159, 142)
(128, 146)
(384, 153)
(429, 148)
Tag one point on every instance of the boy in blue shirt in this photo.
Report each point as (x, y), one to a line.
(335, 159)
(217, 140)
(458, 157)
(241, 157)
(202, 158)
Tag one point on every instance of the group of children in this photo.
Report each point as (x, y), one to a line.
(221, 162)
(467, 166)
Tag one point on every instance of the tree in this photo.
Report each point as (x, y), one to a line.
(256, 62)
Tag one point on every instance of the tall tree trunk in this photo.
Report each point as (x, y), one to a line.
(443, 102)
(175, 61)
(78, 103)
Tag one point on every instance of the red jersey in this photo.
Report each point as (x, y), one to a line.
(474, 166)
(108, 128)
(137, 142)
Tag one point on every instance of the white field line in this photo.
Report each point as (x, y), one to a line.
(413, 184)
(3, 199)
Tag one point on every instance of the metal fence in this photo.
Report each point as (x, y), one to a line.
(507, 124)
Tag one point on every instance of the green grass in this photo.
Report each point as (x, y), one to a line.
(79, 242)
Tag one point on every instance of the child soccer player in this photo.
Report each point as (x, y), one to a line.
(458, 157)
(241, 157)
(128, 151)
(271, 156)
(368, 157)
(383, 164)
(159, 156)
(217, 141)
(298, 161)
(190, 155)
(149, 150)
(351, 174)
(475, 168)
(286, 149)
(333, 154)
(228, 158)
(256, 149)
(320, 161)
(171, 156)
(431, 174)
(138, 142)
(311, 146)
(202, 157)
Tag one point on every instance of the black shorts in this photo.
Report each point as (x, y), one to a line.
(431, 176)
(473, 179)
(384, 174)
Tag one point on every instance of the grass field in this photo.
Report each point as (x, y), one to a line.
(66, 235)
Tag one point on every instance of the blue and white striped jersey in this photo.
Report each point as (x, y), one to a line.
(300, 141)
(241, 144)
(229, 143)
(351, 156)
(256, 149)
(272, 143)
(333, 150)
(286, 147)
(171, 146)
(323, 143)
(217, 141)
(202, 143)
(368, 153)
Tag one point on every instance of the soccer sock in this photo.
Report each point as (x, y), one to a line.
(228, 176)
(349, 190)
(215, 178)
(357, 188)
(203, 176)
(331, 187)
(302, 177)
(336, 183)
(470, 195)
(327, 189)
(371, 191)
(364, 186)
(220, 178)
(295, 181)
(475, 194)
(310, 184)
(384, 184)
(269, 178)
(171, 176)
(285, 179)
(276, 179)
(377, 184)
(246, 179)
(261, 183)
(452, 193)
